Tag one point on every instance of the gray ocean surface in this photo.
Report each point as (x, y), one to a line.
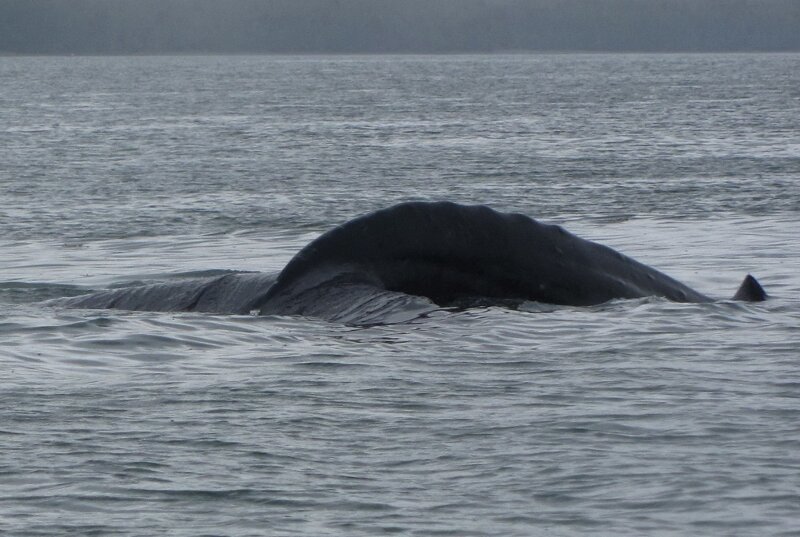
(636, 417)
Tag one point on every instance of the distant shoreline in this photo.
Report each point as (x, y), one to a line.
(6, 54)
(367, 27)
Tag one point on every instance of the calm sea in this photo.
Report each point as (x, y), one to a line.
(638, 417)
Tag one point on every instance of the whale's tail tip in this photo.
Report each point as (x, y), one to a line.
(750, 290)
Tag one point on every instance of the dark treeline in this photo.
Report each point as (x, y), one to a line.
(375, 26)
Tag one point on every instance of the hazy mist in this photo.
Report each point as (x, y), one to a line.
(377, 26)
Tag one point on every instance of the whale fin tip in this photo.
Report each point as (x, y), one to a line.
(750, 290)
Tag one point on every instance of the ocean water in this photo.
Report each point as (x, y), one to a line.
(636, 417)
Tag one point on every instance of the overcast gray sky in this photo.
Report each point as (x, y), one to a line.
(375, 26)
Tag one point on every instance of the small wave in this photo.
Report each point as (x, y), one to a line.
(137, 280)
(191, 274)
(28, 292)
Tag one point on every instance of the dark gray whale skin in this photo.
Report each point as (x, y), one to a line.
(415, 257)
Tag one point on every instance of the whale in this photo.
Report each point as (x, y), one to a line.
(410, 259)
